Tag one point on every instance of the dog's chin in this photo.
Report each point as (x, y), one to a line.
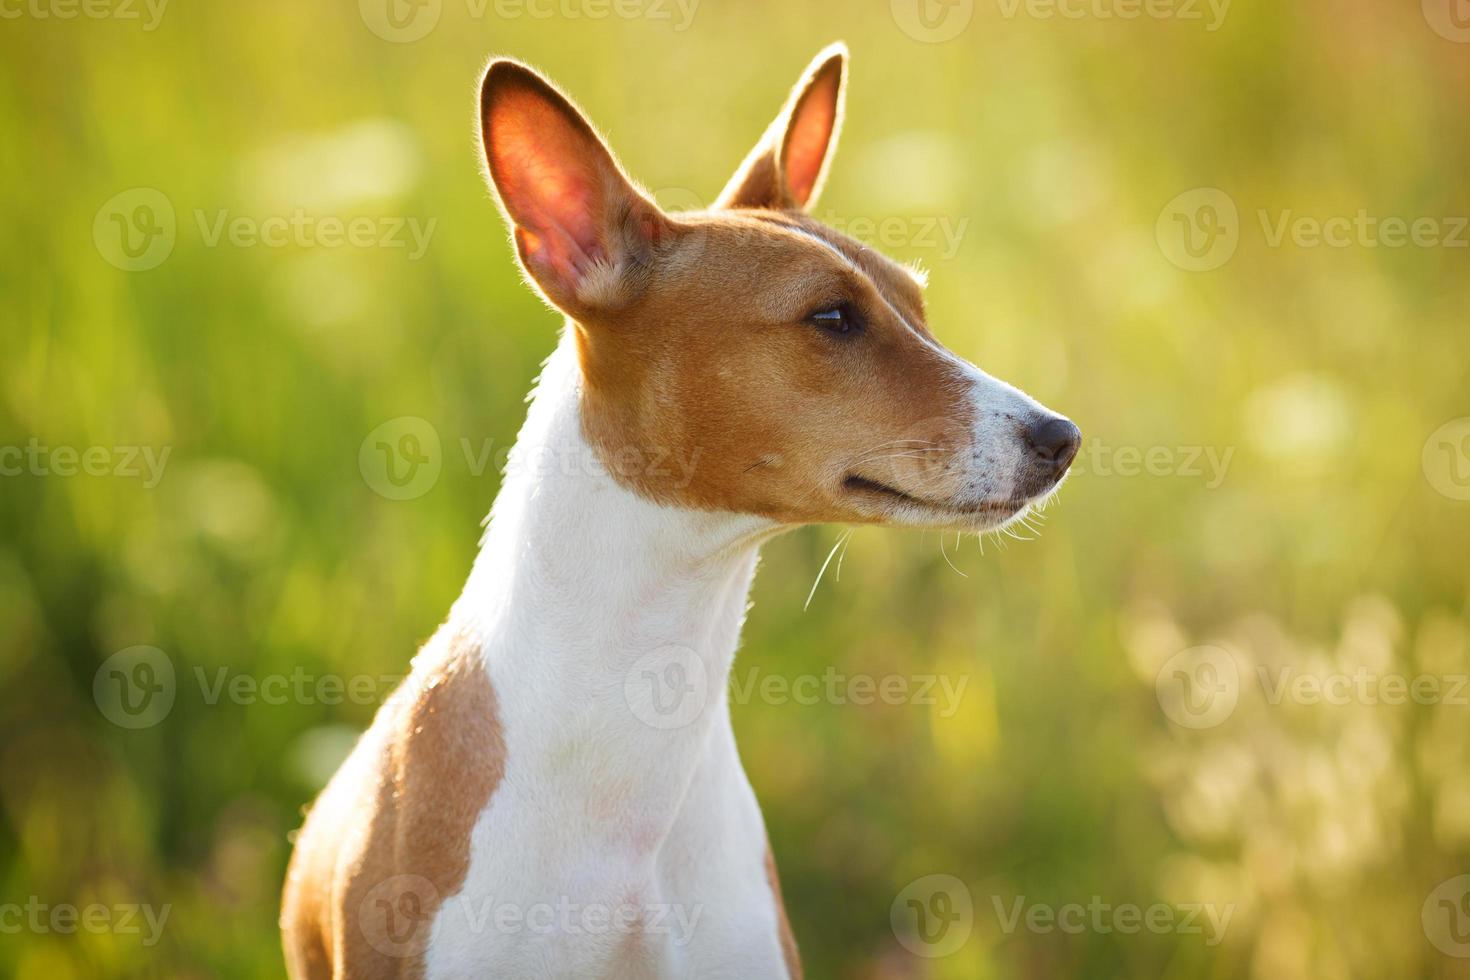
(889, 505)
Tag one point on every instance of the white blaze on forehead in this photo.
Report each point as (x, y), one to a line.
(813, 236)
(917, 275)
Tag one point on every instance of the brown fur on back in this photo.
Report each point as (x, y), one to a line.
(388, 840)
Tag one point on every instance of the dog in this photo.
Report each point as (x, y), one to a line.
(555, 790)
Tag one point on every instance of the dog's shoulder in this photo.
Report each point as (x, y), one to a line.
(388, 839)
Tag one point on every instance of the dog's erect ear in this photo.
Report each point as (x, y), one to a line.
(788, 165)
(585, 234)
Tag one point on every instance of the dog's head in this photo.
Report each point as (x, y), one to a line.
(794, 364)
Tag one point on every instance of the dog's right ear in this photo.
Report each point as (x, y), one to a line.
(584, 233)
(788, 166)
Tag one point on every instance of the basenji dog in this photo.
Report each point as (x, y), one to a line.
(555, 790)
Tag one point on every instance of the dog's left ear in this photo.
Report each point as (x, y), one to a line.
(788, 166)
(584, 233)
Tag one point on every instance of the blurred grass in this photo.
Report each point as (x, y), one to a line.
(1053, 144)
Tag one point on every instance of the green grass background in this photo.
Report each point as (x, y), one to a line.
(1054, 144)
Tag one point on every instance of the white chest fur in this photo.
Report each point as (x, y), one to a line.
(624, 838)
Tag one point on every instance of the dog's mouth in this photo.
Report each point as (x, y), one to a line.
(979, 511)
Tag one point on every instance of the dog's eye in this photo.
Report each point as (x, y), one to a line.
(837, 319)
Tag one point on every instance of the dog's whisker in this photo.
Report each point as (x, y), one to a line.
(946, 557)
(845, 542)
(822, 571)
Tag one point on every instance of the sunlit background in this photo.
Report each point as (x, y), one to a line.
(1116, 203)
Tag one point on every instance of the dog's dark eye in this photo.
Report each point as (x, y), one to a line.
(836, 319)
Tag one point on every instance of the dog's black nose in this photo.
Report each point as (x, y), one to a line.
(1054, 440)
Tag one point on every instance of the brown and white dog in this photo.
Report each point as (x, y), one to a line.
(555, 792)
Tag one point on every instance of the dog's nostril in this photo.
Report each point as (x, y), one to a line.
(1055, 440)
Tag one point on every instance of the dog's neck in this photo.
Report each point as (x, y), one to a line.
(601, 615)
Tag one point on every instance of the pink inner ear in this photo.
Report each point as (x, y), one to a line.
(809, 136)
(546, 167)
